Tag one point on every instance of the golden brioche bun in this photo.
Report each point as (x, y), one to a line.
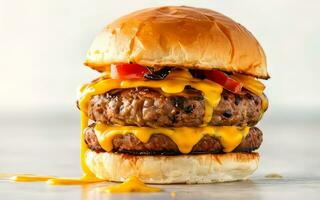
(178, 36)
(206, 168)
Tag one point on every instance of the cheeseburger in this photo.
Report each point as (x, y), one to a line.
(177, 101)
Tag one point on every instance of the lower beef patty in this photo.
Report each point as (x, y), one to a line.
(151, 107)
(161, 144)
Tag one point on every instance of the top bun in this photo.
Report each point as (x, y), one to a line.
(178, 36)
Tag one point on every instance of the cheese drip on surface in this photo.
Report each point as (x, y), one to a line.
(132, 184)
(29, 178)
(88, 176)
(51, 180)
(185, 137)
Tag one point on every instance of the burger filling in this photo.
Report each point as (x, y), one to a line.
(169, 111)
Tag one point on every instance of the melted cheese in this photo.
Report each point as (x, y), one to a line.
(87, 174)
(85, 179)
(132, 184)
(185, 137)
(29, 178)
(173, 194)
(265, 102)
(52, 180)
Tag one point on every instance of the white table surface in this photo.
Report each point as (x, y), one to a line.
(50, 146)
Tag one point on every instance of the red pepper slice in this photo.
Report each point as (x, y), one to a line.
(224, 80)
(128, 71)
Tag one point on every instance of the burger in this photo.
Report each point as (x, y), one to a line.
(177, 100)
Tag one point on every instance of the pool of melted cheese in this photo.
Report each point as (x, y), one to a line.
(131, 184)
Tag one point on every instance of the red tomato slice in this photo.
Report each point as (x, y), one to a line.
(224, 80)
(128, 71)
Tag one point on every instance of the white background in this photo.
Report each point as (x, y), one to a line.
(43, 45)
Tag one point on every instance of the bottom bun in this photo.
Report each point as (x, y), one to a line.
(206, 168)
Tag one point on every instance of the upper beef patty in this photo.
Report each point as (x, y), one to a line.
(161, 144)
(153, 108)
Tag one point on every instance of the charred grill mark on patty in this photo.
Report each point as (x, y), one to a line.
(227, 113)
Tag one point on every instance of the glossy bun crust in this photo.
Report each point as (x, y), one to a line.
(205, 168)
(178, 36)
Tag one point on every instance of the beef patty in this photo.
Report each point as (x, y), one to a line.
(161, 144)
(153, 108)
